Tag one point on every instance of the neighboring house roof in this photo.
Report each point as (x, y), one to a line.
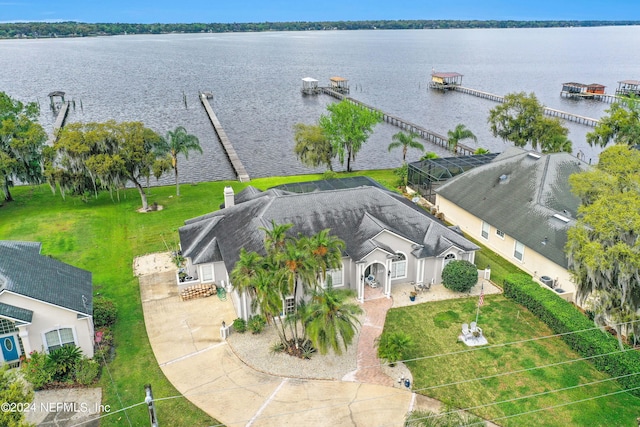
(519, 193)
(356, 215)
(24, 271)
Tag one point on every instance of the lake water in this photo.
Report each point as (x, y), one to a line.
(256, 81)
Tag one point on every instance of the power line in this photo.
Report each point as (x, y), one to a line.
(422, 389)
(498, 345)
(106, 365)
(528, 396)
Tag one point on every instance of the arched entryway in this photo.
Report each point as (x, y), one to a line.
(375, 275)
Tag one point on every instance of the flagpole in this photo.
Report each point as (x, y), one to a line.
(481, 295)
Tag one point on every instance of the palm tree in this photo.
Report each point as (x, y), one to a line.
(481, 151)
(326, 250)
(275, 238)
(457, 135)
(330, 321)
(406, 141)
(177, 142)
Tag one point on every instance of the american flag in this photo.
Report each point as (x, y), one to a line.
(481, 300)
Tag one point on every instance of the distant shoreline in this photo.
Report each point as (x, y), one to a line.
(33, 30)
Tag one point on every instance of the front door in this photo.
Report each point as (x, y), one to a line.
(9, 348)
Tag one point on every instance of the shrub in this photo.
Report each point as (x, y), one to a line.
(104, 312)
(86, 371)
(564, 318)
(329, 174)
(240, 325)
(394, 346)
(459, 276)
(256, 323)
(104, 343)
(64, 360)
(38, 370)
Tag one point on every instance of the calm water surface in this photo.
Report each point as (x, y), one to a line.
(256, 80)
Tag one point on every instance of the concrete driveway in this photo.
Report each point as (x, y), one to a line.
(185, 337)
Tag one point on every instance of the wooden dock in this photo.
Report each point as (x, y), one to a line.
(596, 96)
(59, 123)
(241, 172)
(588, 121)
(423, 133)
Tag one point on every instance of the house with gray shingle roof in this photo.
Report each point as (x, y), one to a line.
(44, 303)
(388, 239)
(520, 205)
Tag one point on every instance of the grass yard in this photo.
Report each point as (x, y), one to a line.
(435, 327)
(104, 236)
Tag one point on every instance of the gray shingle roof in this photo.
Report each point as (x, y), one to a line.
(24, 271)
(355, 215)
(518, 193)
(19, 314)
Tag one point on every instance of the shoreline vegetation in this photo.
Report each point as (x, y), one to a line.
(79, 29)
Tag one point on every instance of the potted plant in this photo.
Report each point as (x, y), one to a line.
(412, 295)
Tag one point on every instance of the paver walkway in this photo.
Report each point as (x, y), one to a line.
(375, 307)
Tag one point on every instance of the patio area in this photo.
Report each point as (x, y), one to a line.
(400, 293)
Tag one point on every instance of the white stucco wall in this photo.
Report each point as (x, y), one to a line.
(47, 317)
(532, 262)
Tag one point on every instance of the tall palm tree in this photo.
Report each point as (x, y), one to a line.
(406, 141)
(326, 250)
(177, 142)
(457, 135)
(330, 321)
(275, 238)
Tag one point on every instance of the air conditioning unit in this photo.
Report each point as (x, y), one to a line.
(546, 280)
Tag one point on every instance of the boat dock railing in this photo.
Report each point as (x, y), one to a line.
(588, 121)
(422, 132)
(237, 165)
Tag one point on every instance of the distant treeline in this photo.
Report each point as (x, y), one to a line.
(78, 29)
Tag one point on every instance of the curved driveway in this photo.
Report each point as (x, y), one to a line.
(185, 337)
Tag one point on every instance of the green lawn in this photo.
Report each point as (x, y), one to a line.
(435, 328)
(104, 236)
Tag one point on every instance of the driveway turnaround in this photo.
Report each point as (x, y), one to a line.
(186, 340)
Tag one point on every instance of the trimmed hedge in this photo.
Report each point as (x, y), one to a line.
(563, 317)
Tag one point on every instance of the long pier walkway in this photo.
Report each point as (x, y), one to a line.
(588, 121)
(237, 165)
(424, 133)
(60, 119)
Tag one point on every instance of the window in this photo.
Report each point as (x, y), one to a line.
(518, 253)
(399, 266)
(485, 230)
(500, 234)
(207, 273)
(448, 258)
(58, 338)
(289, 305)
(336, 277)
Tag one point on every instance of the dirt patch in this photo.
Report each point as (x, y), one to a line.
(152, 208)
(153, 263)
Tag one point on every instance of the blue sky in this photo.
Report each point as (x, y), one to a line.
(186, 11)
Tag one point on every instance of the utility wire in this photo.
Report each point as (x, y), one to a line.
(470, 408)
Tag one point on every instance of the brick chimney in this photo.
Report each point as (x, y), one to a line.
(229, 197)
